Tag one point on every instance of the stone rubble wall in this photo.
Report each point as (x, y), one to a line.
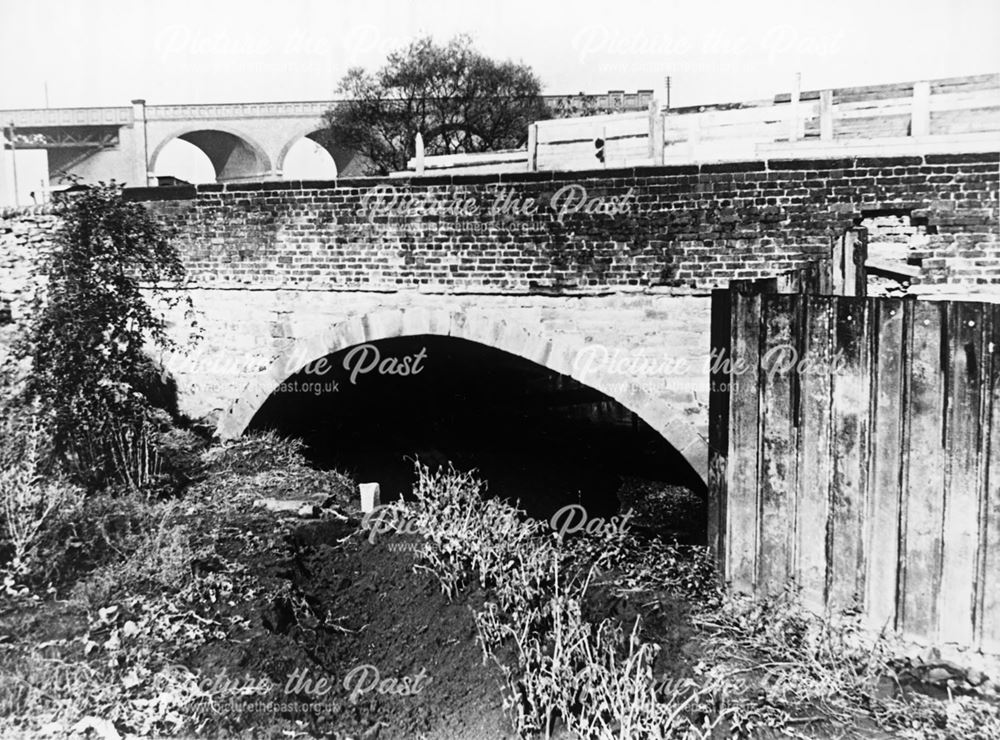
(24, 236)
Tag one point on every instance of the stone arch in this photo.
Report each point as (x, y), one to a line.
(342, 157)
(234, 155)
(543, 348)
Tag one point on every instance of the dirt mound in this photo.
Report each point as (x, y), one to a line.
(356, 606)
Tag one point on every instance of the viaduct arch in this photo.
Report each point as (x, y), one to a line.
(341, 157)
(233, 154)
(238, 157)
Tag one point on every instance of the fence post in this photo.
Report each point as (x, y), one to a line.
(656, 124)
(694, 134)
(742, 495)
(826, 115)
(812, 278)
(824, 280)
(793, 131)
(859, 255)
(850, 252)
(533, 147)
(419, 147)
(988, 611)
(920, 112)
(838, 267)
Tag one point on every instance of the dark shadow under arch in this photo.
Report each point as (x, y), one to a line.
(348, 162)
(534, 434)
(561, 354)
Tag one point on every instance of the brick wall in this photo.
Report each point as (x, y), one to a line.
(676, 228)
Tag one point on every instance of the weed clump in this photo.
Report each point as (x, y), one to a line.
(147, 588)
(766, 664)
(597, 680)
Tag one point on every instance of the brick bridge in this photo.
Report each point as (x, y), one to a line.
(602, 276)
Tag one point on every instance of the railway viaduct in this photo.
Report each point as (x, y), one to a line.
(243, 141)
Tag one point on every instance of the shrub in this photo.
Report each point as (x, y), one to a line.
(472, 535)
(89, 370)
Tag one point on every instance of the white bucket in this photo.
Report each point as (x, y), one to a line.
(369, 496)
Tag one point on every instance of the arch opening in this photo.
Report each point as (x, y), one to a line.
(308, 159)
(232, 156)
(302, 158)
(181, 160)
(534, 434)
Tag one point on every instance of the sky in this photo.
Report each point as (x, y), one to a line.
(107, 52)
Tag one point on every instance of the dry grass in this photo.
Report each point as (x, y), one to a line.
(767, 666)
(239, 471)
(559, 669)
(28, 500)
